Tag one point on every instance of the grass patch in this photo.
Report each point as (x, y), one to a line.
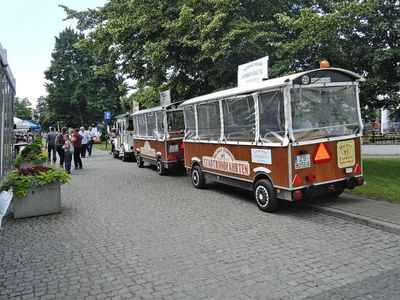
(102, 146)
(382, 179)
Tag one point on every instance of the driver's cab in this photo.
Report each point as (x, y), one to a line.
(124, 139)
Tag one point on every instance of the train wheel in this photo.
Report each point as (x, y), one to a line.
(139, 161)
(265, 196)
(198, 179)
(160, 167)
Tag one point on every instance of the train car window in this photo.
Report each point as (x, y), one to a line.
(160, 125)
(272, 117)
(209, 123)
(151, 125)
(239, 119)
(190, 123)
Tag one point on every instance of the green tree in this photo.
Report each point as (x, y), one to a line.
(191, 47)
(23, 108)
(362, 36)
(194, 47)
(82, 86)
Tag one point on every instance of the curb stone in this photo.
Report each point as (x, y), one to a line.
(369, 221)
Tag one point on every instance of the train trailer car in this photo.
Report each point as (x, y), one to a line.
(123, 147)
(287, 138)
(158, 137)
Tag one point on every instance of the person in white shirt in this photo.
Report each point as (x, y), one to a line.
(85, 140)
(92, 139)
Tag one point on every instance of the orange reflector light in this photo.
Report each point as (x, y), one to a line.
(357, 169)
(296, 180)
(322, 154)
(182, 146)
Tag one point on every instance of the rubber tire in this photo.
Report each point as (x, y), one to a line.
(263, 189)
(139, 161)
(123, 158)
(197, 177)
(160, 167)
(115, 154)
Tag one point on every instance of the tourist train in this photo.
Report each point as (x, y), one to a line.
(287, 138)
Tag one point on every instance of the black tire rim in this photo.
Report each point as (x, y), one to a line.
(262, 196)
(195, 177)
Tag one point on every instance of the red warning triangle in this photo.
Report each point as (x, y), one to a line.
(322, 153)
(357, 169)
(296, 180)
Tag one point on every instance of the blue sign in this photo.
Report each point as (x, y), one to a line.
(107, 115)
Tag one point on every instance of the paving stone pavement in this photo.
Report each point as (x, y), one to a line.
(128, 233)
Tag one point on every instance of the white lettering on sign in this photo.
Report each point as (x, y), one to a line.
(223, 160)
(253, 72)
(261, 156)
(147, 150)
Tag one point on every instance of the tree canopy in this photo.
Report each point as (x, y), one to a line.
(22, 108)
(194, 47)
(81, 86)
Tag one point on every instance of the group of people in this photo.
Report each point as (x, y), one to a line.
(21, 136)
(70, 143)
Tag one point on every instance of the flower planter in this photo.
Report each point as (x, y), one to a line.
(38, 202)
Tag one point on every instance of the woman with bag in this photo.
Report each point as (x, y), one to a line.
(68, 152)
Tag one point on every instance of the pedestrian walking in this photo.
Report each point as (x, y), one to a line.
(51, 144)
(76, 140)
(68, 149)
(92, 139)
(59, 145)
(112, 137)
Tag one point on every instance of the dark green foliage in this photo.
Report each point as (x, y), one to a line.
(80, 88)
(194, 47)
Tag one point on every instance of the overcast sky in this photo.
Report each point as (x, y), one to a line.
(27, 31)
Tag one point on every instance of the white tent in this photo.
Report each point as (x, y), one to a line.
(23, 124)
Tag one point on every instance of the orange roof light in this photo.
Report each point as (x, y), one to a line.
(322, 153)
(324, 64)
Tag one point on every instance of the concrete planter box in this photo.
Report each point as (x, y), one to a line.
(42, 201)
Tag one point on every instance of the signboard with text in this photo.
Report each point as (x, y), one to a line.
(165, 97)
(253, 72)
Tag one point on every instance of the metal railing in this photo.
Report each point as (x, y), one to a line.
(386, 133)
(7, 94)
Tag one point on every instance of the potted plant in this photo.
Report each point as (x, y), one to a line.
(35, 185)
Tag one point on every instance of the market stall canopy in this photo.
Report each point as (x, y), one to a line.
(24, 124)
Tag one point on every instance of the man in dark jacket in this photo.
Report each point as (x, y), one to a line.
(51, 143)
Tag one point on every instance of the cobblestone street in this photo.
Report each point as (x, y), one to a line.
(128, 233)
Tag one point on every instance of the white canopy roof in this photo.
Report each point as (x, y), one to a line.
(267, 84)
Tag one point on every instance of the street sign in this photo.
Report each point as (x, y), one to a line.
(107, 115)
